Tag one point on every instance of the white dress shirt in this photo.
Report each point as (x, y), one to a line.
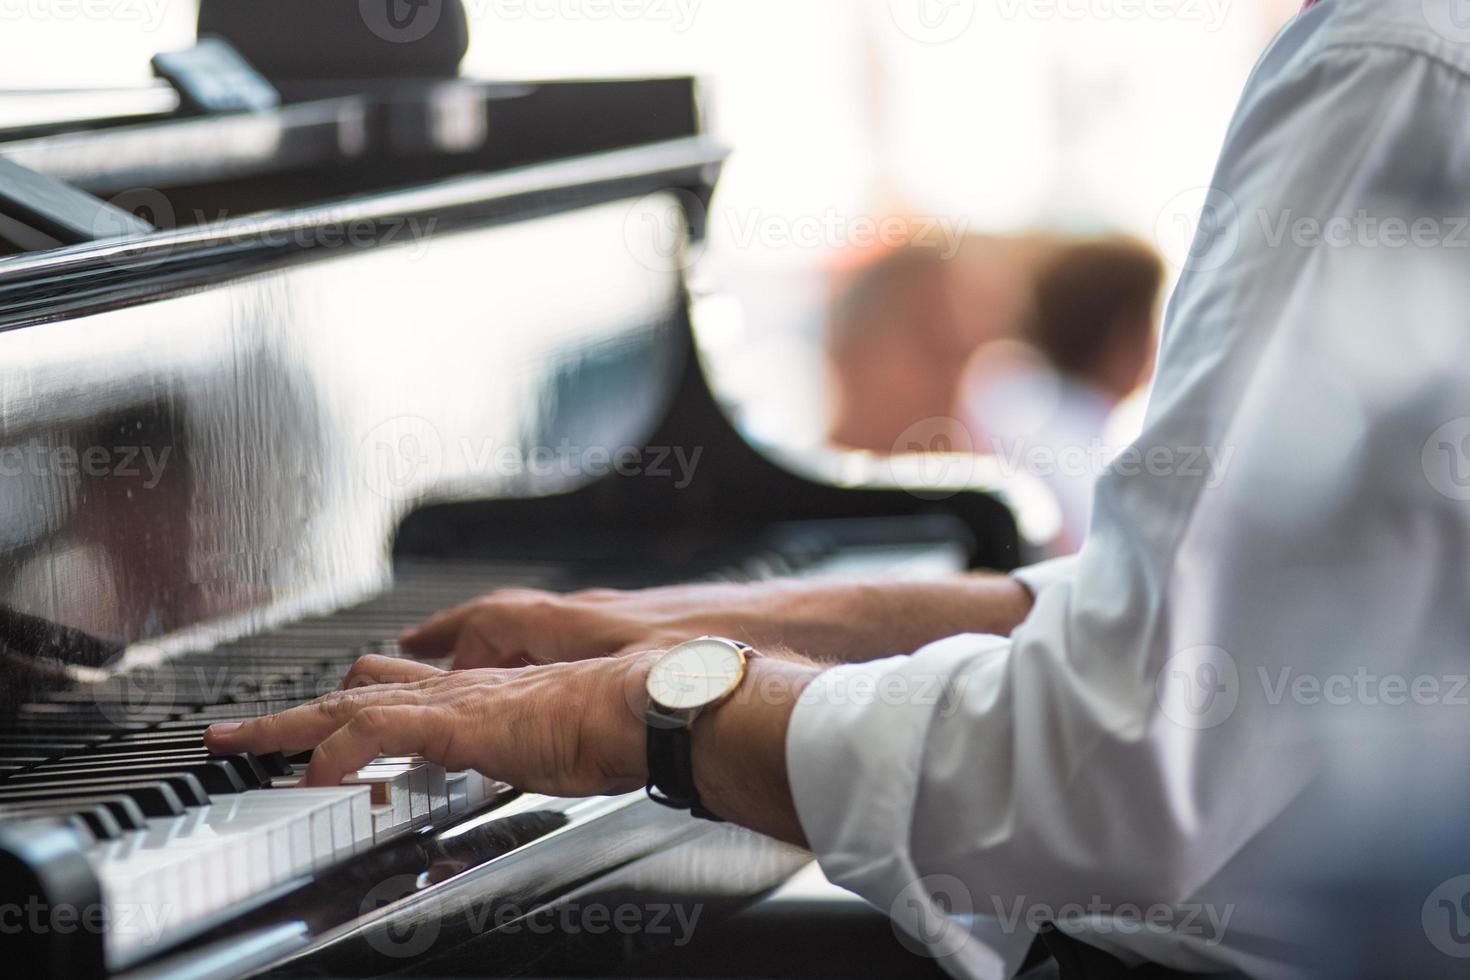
(1232, 734)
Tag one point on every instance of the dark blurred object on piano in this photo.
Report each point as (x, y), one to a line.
(351, 41)
(384, 341)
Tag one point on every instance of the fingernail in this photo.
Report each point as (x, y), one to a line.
(223, 728)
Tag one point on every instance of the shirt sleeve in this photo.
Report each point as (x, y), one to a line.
(1037, 578)
(1130, 743)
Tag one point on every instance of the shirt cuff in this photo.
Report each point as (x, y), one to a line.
(854, 755)
(1037, 577)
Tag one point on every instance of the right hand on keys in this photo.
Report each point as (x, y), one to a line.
(825, 620)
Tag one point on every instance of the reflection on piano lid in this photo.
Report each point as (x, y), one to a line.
(242, 449)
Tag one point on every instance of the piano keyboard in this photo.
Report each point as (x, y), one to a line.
(180, 840)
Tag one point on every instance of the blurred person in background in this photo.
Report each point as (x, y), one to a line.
(902, 328)
(1043, 406)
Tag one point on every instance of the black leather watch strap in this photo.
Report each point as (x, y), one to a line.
(671, 764)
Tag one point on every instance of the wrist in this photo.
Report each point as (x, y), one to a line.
(739, 747)
(622, 728)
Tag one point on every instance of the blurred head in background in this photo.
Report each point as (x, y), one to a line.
(1094, 314)
(1044, 402)
(903, 326)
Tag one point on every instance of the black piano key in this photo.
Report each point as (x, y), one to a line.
(123, 811)
(181, 754)
(215, 775)
(131, 746)
(146, 799)
(240, 711)
(42, 712)
(83, 829)
(98, 819)
(69, 729)
(45, 743)
(184, 785)
(251, 771)
(187, 787)
(101, 822)
(145, 739)
(194, 725)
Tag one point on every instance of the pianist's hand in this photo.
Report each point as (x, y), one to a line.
(565, 729)
(824, 620)
(562, 729)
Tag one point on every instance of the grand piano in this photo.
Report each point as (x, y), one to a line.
(293, 354)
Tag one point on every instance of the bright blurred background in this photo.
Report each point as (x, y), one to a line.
(979, 130)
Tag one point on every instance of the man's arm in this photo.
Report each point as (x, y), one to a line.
(835, 621)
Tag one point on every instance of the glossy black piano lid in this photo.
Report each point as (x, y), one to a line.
(224, 426)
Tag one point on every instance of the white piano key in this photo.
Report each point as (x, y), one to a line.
(362, 821)
(479, 789)
(278, 854)
(456, 784)
(438, 794)
(387, 822)
(322, 851)
(290, 821)
(420, 806)
(271, 830)
(181, 869)
(428, 800)
(347, 817)
(389, 785)
(167, 884)
(417, 791)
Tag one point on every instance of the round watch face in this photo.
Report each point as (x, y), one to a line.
(696, 674)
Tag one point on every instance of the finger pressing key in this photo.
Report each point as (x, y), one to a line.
(394, 730)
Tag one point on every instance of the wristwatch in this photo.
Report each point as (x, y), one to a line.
(690, 678)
